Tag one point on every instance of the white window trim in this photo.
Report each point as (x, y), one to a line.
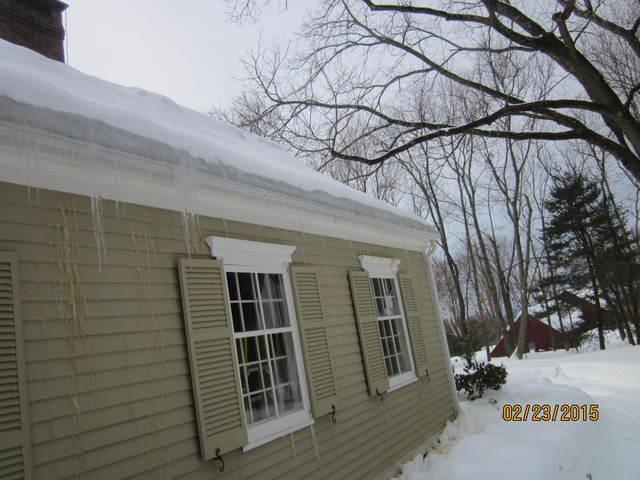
(381, 267)
(258, 257)
(251, 254)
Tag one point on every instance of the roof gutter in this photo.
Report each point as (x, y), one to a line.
(426, 254)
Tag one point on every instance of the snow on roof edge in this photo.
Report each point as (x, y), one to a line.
(78, 105)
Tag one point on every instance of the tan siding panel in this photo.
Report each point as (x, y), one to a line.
(115, 402)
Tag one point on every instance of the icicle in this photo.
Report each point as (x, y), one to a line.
(98, 230)
(186, 184)
(293, 448)
(315, 442)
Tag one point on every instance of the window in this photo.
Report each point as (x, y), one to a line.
(392, 324)
(271, 370)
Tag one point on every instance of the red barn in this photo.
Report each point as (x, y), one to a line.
(540, 336)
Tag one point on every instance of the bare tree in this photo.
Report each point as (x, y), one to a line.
(243, 10)
(358, 56)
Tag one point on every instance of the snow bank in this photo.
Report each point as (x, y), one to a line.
(45, 94)
(480, 445)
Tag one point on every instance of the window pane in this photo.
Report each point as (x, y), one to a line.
(278, 291)
(391, 348)
(259, 407)
(393, 298)
(245, 280)
(284, 364)
(254, 378)
(271, 409)
(271, 286)
(232, 285)
(275, 314)
(237, 317)
(390, 366)
(250, 349)
(266, 375)
(282, 371)
(388, 286)
(377, 287)
(405, 364)
(401, 345)
(289, 398)
(385, 348)
(251, 317)
(278, 345)
(262, 347)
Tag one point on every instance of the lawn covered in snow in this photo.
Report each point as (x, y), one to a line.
(480, 445)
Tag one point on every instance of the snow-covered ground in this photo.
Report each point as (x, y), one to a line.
(480, 445)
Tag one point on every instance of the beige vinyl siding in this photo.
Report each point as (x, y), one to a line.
(109, 389)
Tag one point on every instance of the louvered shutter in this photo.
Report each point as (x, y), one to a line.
(414, 321)
(212, 355)
(315, 342)
(370, 341)
(14, 423)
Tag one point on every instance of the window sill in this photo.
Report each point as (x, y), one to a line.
(402, 382)
(281, 433)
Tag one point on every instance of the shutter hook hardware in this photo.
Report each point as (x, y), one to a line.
(427, 372)
(219, 458)
(332, 414)
(379, 395)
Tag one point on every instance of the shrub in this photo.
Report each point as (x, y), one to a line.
(478, 377)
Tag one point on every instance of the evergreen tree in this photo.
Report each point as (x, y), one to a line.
(619, 269)
(578, 235)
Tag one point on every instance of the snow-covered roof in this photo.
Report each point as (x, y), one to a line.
(151, 131)
(570, 318)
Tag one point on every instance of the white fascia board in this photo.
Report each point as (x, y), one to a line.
(39, 159)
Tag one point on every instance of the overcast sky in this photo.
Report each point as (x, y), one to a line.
(186, 50)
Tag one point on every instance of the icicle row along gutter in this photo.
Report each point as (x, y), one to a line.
(426, 254)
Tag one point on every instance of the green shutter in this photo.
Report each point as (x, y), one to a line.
(415, 324)
(212, 356)
(315, 341)
(14, 420)
(370, 341)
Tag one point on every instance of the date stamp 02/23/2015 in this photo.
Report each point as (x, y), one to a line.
(516, 412)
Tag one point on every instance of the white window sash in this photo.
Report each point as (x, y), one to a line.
(245, 256)
(380, 267)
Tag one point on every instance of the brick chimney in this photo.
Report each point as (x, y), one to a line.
(35, 24)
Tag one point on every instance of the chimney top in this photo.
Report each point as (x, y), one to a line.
(35, 24)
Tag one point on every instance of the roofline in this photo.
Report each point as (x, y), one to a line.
(144, 181)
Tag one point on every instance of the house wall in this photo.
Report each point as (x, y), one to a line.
(108, 380)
